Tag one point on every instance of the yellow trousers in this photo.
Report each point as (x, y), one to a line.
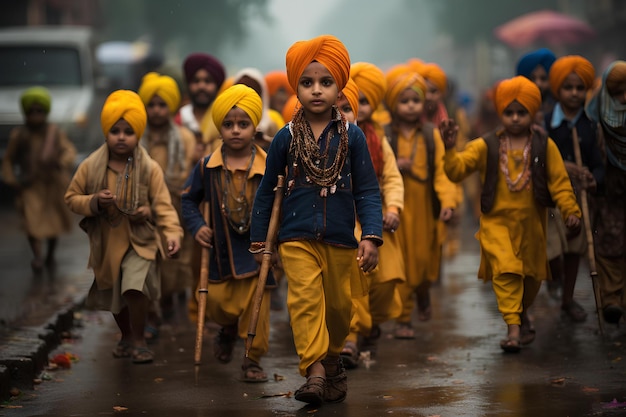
(231, 302)
(318, 298)
(381, 304)
(514, 295)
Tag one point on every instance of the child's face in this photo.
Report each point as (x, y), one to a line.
(619, 93)
(540, 77)
(365, 109)
(432, 97)
(36, 115)
(572, 92)
(202, 89)
(516, 119)
(346, 108)
(410, 106)
(317, 90)
(158, 112)
(237, 130)
(121, 139)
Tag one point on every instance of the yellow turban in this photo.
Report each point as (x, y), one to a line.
(564, 66)
(163, 86)
(325, 49)
(241, 96)
(370, 80)
(415, 65)
(397, 85)
(351, 93)
(39, 95)
(517, 88)
(127, 105)
(433, 73)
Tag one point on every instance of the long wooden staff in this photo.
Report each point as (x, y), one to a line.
(587, 221)
(266, 264)
(202, 293)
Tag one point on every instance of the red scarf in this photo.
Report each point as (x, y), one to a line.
(375, 147)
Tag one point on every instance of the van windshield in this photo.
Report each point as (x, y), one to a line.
(40, 65)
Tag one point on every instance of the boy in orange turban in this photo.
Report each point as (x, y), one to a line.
(330, 179)
(227, 180)
(122, 195)
(512, 226)
(570, 79)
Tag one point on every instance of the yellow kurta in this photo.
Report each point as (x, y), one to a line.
(513, 234)
(41, 186)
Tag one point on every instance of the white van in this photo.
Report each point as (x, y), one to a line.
(62, 60)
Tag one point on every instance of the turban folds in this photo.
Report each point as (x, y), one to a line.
(370, 80)
(39, 95)
(240, 96)
(566, 65)
(351, 93)
(325, 49)
(164, 86)
(527, 63)
(519, 89)
(198, 61)
(276, 80)
(433, 73)
(393, 72)
(127, 105)
(400, 83)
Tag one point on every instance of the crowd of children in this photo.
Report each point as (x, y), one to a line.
(373, 163)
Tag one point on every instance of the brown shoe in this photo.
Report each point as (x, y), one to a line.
(312, 391)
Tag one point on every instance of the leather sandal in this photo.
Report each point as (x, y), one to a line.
(312, 391)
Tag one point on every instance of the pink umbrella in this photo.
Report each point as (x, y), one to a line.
(552, 28)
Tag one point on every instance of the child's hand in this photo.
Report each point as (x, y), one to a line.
(105, 198)
(391, 221)
(404, 164)
(203, 236)
(448, 129)
(367, 255)
(573, 223)
(446, 214)
(141, 215)
(173, 246)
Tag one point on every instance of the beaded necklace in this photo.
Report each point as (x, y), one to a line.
(235, 205)
(523, 178)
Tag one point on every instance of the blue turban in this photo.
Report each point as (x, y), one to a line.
(531, 60)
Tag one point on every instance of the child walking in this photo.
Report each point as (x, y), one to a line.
(227, 180)
(330, 179)
(38, 163)
(522, 172)
(122, 194)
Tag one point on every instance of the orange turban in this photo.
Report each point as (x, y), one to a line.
(276, 80)
(370, 80)
(517, 88)
(415, 64)
(393, 72)
(241, 96)
(351, 93)
(410, 80)
(564, 66)
(433, 73)
(291, 106)
(164, 86)
(325, 49)
(127, 105)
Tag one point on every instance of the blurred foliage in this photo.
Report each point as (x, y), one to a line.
(195, 24)
(467, 21)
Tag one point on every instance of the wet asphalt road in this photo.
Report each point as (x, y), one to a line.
(454, 367)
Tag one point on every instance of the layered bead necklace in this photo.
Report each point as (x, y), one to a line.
(523, 178)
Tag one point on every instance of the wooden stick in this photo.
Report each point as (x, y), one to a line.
(202, 291)
(587, 222)
(266, 264)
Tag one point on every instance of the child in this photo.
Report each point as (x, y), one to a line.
(382, 302)
(122, 194)
(38, 162)
(329, 180)
(536, 66)
(570, 79)
(228, 179)
(173, 147)
(512, 226)
(429, 196)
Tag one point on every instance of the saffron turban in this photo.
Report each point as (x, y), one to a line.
(433, 73)
(127, 105)
(410, 80)
(527, 63)
(351, 93)
(415, 65)
(39, 95)
(325, 49)
(566, 65)
(291, 106)
(164, 86)
(393, 72)
(615, 76)
(370, 80)
(519, 89)
(240, 96)
(212, 65)
(276, 80)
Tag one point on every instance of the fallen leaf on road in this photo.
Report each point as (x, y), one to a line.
(557, 381)
(158, 380)
(282, 394)
(10, 406)
(590, 389)
(458, 381)
(119, 408)
(432, 358)
(278, 377)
